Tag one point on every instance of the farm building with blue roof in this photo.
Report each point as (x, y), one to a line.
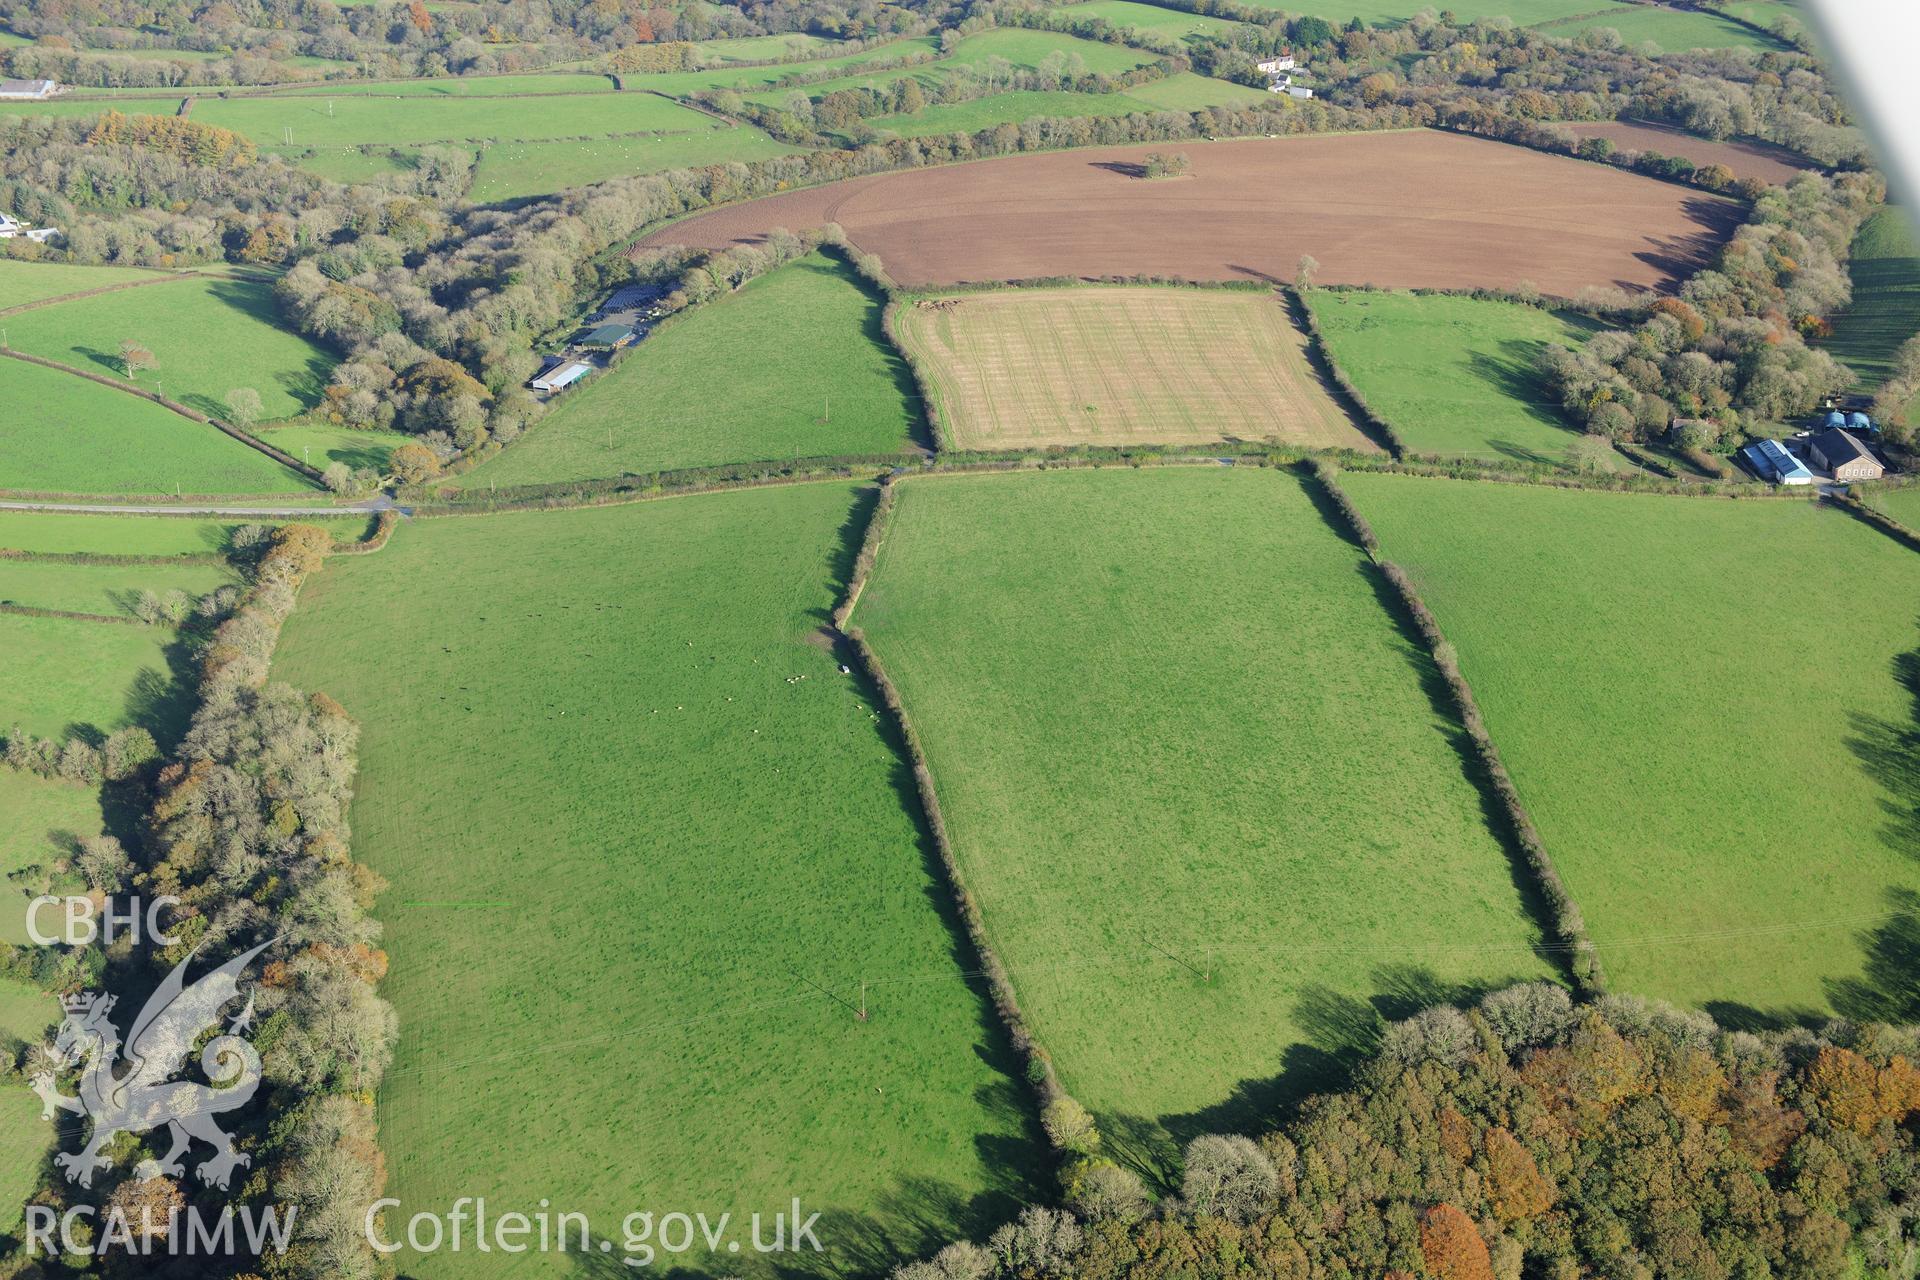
(1770, 461)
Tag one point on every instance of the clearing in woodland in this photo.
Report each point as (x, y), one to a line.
(637, 920)
(1025, 368)
(1197, 778)
(1727, 787)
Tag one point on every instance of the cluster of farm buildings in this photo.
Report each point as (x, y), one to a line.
(1280, 76)
(1840, 449)
(622, 320)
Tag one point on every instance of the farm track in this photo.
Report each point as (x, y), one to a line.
(1410, 209)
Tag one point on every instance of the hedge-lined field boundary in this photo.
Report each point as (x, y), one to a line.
(1583, 962)
(1878, 519)
(67, 615)
(104, 558)
(1051, 1095)
(286, 460)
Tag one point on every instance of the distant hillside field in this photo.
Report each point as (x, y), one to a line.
(1725, 786)
(1670, 30)
(85, 438)
(411, 119)
(822, 381)
(511, 170)
(624, 795)
(1453, 376)
(1129, 365)
(1214, 820)
(1396, 12)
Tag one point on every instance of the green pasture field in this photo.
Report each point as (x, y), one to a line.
(411, 120)
(1671, 30)
(1190, 91)
(1152, 18)
(1027, 48)
(351, 164)
(1007, 108)
(544, 84)
(40, 822)
(689, 760)
(511, 170)
(753, 79)
(24, 1137)
(1885, 310)
(1393, 13)
(62, 533)
(160, 104)
(102, 588)
(60, 672)
(929, 74)
(818, 352)
(1175, 734)
(24, 282)
(1725, 786)
(208, 335)
(761, 48)
(321, 445)
(1453, 376)
(86, 438)
(1902, 504)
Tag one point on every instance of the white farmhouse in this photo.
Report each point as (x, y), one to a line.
(11, 226)
(28, 90)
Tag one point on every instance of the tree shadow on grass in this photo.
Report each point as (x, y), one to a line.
(162, 704)
(873, 328)
(110, 361)
(1340, 1032)
(1888, 988)
(845, 553)
(1889, 752)
(304, 383)
(912, 1217)
(1532, 899)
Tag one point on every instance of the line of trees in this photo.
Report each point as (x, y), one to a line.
(248, 829)
(1529, 1135)
(1732, 347)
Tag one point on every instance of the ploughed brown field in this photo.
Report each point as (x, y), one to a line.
(1747, 159)
(1415, 209)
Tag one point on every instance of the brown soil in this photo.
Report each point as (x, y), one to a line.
(1419, 209)
(1747, 159)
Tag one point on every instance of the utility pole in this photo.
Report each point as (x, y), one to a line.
(863, 999)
